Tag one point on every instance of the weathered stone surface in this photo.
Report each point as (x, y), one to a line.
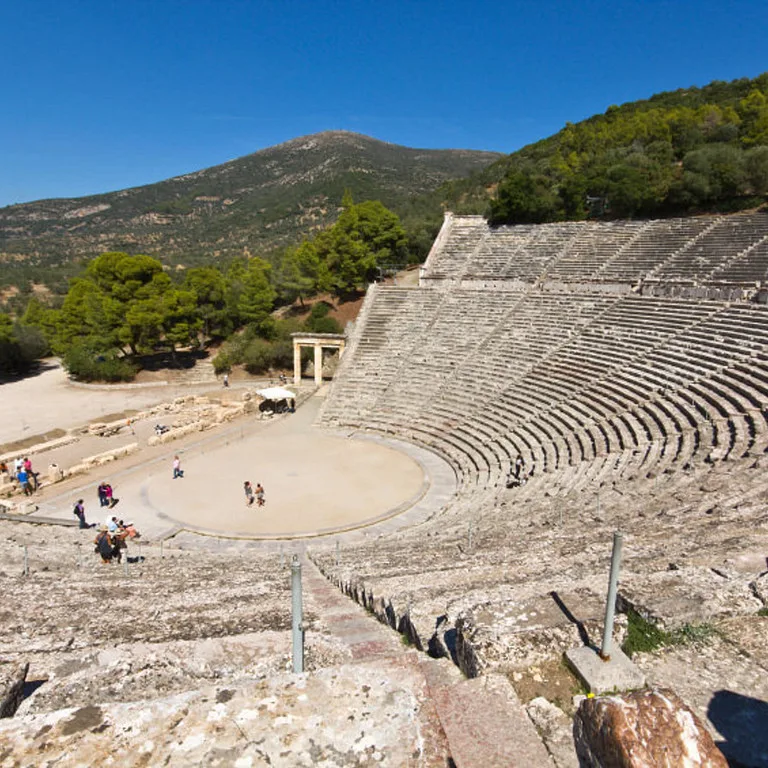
(556, 731)
(644, 729)
(760, 588)
(12, 679)
(689, 595)
(357, 715)
(486, 724)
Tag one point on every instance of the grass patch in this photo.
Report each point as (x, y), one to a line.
(644, 637)
(763, 612)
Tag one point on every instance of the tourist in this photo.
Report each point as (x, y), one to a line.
(259, 495)
(519, 464)
(3, 468)
(104, 545)
(23, 479)
(226, 380)
(31, 476)
(109, 495)
(101, 491)
(79, 513)
(17, 465)
(248, 493)
(177, 471)
(112, 525)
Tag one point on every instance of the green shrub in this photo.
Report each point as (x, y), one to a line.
(222, 363)
(258, 356)
(86, 365)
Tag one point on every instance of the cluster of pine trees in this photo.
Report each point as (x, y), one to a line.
(125, 306)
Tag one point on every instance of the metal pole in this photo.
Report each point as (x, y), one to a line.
(469, 536)
(78, 554)
(610, 604)
(161, 549)
(125, 564)
(297, 619)
(337, 553)
(26, 560)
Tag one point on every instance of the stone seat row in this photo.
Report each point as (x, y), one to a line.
(427, 402)
(729, 249)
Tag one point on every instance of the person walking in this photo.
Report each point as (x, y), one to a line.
(226, 380)
(102, 492)
(260, 501)
(248, 493)
(177, 471)
(79, 513)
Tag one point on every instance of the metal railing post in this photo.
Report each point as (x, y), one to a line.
(469, 537)
(297, 618)
(26, 560)
(610, 603)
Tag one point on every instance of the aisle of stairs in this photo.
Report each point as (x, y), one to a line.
(482, 721)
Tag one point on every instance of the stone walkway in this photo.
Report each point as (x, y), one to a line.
(481, 720)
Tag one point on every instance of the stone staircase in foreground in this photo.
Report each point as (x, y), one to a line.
(375, 701)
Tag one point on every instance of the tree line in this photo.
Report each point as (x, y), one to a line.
(123, 307)
(675, 153)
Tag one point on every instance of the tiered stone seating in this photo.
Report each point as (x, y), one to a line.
(726, 240)
(653, 246)
(586, 254)
(463, 236)
(713, 250)
(750, 266)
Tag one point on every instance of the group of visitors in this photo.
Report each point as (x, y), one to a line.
(106, 495)
(25, 476)
(111, 539)
(252, 493)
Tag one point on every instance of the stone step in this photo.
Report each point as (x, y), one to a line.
(484, 721)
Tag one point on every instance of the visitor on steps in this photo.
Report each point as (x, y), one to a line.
(79, 513)
(23, 479)
(109, 495)
(260, 501)
(105, 546)
(31, 476)
(248, 493)
(177, 471)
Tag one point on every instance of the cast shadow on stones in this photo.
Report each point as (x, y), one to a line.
(743, 723)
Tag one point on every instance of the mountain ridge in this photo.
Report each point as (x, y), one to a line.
(254, 204)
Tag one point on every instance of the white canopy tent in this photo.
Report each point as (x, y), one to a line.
(276, 393)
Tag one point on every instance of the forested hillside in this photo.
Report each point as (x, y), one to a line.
(684, 151)
(251, 206)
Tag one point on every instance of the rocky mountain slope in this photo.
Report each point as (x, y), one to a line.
(250, 205)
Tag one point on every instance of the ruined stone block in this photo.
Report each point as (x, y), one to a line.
(644, 729)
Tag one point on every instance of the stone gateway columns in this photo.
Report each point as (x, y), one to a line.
(318, 341)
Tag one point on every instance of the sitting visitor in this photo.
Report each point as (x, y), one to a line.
(105, 546)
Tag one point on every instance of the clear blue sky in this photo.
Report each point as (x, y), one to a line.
(103, 95)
